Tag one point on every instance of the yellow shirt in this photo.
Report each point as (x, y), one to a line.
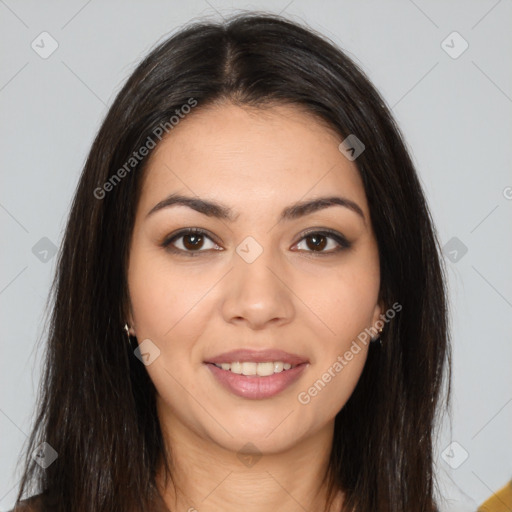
(501, 501)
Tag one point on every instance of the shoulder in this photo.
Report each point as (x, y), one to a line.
(32, 504)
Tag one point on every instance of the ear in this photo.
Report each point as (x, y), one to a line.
(129, 320)
(378, 311)
(131, 328)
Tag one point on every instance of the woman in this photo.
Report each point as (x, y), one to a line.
(250, 306)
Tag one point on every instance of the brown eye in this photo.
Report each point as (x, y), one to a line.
(317, 241)
(190, 241)
(193, 241)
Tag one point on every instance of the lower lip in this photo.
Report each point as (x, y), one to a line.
(253, 386)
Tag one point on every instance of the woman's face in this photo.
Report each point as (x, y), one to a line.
(255, 278)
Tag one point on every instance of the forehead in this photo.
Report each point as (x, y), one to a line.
(245, 156)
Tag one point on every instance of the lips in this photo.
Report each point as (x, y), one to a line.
(256, 387)
(257, 356)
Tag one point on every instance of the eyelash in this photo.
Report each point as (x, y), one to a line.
(337, 237)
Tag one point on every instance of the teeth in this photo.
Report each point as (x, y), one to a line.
(236, 367)
(278, 367)
(260, 369)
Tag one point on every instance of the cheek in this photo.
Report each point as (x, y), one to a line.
(334, 386)
(161, 294)
(341, 302)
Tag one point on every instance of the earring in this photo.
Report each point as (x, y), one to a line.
(127, 329)
(379, 339)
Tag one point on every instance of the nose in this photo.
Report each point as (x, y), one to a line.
(258, 293)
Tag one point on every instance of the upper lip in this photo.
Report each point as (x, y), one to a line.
(257, 356)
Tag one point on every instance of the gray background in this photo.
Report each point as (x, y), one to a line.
(454, 112)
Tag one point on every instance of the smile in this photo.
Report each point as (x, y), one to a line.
(253, 368)
(256, 381)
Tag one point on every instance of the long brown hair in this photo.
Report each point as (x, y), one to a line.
(96, 407)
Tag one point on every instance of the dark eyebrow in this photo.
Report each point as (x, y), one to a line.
(213, 209)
